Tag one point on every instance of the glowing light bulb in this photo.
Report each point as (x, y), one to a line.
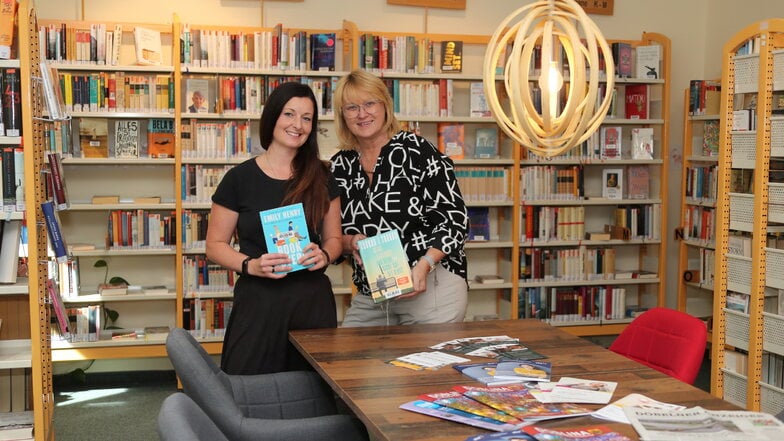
(550, 83)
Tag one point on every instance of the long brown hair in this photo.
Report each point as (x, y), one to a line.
(310, 175)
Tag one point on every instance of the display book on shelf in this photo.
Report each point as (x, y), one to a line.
(568, 200)
(696, 233)
(748, 77)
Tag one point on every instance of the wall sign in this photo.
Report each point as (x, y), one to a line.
(600, 7)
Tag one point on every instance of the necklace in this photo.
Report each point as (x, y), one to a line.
(275, 173)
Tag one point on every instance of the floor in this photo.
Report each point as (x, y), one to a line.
(123, 407)
(110, 407)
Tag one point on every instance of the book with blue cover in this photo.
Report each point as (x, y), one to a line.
(386, 266)
(286, 231)
(54, 232)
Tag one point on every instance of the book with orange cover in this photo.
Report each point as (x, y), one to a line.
(517, 401)
(451, 139)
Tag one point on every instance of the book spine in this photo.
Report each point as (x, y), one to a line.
(54, 232)
(12, 102)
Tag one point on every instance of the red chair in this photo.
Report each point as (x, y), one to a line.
(667, 340)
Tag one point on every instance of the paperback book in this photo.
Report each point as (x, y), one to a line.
(478, 224)
(148, 46)
(612, 183)
(322, 51)
(386, 266)
(452, 56)
(642, 143)
(126, 137)
(286, 231)
(610, 142)
(636, 100)
(451, 139)
(486, 143)
(160, 138)
(647, 61)
(93, 137)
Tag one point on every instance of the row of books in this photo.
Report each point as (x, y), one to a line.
(582, 303)
(484, 184)
(200, 181)
(215, 140)
(543, 223)
(202, 276)
(95, 43)
(116, 92)
(699, 223)
(140, 229)
(701, 183)
(194, 229)
(643, 222)
(118, 138)
(409, 54)
(279, 48)
(704, 97)
(565, 264)
(549, 182)
(451, 141)
(248, 93)
(206, 317)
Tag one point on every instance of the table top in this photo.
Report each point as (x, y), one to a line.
(353, 361)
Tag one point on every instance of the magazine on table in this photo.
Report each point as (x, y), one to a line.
(497, 346)
(578, 390)
(697, 423)
(523, 370)
(448, 413)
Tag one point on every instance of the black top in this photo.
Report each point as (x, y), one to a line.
(414, 190)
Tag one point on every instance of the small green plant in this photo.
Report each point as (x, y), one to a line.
(110, 316)
(115, 280)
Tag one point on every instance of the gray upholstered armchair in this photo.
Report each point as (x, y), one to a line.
(181, 419)
(268, 407)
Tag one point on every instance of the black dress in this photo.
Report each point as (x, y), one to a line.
(264, 310)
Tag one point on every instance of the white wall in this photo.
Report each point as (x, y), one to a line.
(695, 44)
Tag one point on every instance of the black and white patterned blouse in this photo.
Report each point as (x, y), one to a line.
(414, 191)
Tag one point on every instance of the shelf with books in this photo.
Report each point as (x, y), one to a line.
(592, 221)
(746, 304)
(699, 182)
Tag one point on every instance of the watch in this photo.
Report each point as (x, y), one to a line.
(245, 266)
(430, 262)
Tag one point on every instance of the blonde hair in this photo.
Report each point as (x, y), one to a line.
(355, 83)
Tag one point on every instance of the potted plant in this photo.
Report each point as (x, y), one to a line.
(110, 286)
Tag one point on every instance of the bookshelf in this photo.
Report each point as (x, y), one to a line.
(178, 186)
(525, 179)
(696, 233)
(591, 281)
(747, 348)
(24, 336)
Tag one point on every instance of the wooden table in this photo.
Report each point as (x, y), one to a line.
(354, 363)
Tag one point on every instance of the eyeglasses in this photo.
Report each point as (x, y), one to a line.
(352, 110)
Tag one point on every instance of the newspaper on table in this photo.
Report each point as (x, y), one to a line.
(697, 423)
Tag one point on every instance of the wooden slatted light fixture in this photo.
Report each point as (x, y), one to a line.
(549, 126)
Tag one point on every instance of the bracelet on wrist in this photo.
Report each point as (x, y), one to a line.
(430, 262)
(326, 254)
(245, 266)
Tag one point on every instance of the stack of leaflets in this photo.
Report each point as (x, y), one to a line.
(511, 405)
(497, 346)
(427, 360)
(507, 372)
(697, 423)
(534, 433)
